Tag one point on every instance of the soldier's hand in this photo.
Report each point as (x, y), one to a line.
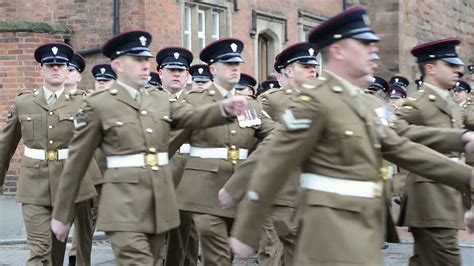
(60, 230)
(468, 139)
(235, 105)
(469, 221)
(226, 200)
(240, 249)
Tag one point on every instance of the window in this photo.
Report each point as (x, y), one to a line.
(201, 28)
(187, 37)
(215, 26)
(263, 58)
(306, 23)
(204, 21)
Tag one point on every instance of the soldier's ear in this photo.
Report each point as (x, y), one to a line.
(116, 65)
(430, 69)
(212, 68)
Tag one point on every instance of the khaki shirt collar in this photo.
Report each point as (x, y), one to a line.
(224, 91)
(47, 93)
(129, 89)
(444, 94)
(353, 90)
(178, 94)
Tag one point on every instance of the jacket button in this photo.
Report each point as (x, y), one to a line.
(155, 168)
(50, 126)
(119, 123)
(152, 150)
(28, 118)
(144, 112)
(51, 142)
(51, 113)
(149, 130)
(233, 132)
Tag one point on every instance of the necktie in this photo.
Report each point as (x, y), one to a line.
(52, 99)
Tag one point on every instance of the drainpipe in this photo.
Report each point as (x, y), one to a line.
(116, 31)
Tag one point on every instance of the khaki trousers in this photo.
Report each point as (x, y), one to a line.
(131, 248)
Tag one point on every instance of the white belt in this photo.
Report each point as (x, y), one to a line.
(345, 187)
(39, 154)
(137, 160)
(185, 148)
(231, 153)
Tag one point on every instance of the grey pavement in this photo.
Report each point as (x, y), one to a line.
(395, 255)
(13, 250)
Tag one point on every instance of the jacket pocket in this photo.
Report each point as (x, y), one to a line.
(30, 126)
(209, 165)
(66, 126)
(335, 201)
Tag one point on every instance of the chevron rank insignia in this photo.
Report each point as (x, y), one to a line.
(79, 124)
(293, 123)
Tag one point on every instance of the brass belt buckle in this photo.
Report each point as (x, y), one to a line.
(52, 155)
(233, 153)
(151, 159)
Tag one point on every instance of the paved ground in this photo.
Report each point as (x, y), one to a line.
(13, 251)
(396, 255)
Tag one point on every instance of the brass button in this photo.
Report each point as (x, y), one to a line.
(453, 120)
(149, 130)
(51, 142)
(349, 133)
(166, 117)
(144, 112)
(153, 150)
(233, 132)
(119, 123)
(155, 168)
(51, 113)
(233, 147)
(71, 118)
(50, 126)
(234, 162)
(28, 118)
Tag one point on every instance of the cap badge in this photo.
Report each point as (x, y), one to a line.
(233, 46)
(142, 40)
(200, 70)
(272, 85)
(102, 70)
(311, 51)
(55, 50)
(176, 55)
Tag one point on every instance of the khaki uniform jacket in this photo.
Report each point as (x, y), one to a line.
(428, 203)
(204, 177)
(41, 127)
(136, 199)
(468, 111)
(273, 102)
(339, 140)
(178, 161)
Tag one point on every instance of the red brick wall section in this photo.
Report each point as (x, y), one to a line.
(18, 72)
